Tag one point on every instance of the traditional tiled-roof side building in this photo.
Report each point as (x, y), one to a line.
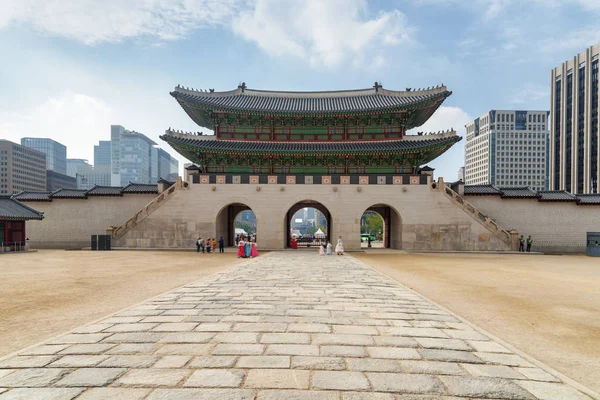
(344, 132)
(13, 215)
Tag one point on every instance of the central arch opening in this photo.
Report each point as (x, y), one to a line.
(236, 220)
(308, 224)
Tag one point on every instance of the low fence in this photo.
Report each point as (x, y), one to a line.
(308, 242)
(8, 247)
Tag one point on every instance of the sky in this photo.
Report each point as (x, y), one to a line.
(71, 68)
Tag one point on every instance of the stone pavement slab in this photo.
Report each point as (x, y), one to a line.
(289, 326)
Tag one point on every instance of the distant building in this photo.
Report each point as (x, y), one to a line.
(461, 174)
(21, 168)
(134, 158)
(55, 181)
(89, 176)
(574, 107)
(56, 153)
(102, 155)
(73, 164)
(508, 148)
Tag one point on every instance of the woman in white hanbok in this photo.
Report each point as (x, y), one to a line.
(339, 248)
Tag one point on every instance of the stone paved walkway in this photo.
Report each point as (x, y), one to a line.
(289, 325)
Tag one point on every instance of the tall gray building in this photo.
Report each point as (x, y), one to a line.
(73, 164)
(21, 168)
(135, 158)
(508, 148)
(56, 153)
(575, 149)
(102, 154)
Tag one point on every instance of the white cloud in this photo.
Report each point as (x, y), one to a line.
(92, 22)
(574, 41)
(529, 93)
(74, 119)
(326, 33)
(445, 118)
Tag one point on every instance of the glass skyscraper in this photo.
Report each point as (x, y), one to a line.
(56, 153)
(134, 158)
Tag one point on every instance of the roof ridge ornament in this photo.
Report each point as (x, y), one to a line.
(242, 86)
(377, 86)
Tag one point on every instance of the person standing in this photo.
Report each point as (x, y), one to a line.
(208, 245)
(247, 248)
(237, 239)
(254, 250)
(369, 240)
(329, 248)
(529, 242)
(339, 248)
(198, 245)
(221, 245)
(521, 244)
(294, 244)
(240, 253)
(214, 245)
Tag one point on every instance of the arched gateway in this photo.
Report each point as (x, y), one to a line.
(278, 152)
(308, 238)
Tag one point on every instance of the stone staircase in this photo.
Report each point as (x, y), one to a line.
(118, 232)
(509, 238)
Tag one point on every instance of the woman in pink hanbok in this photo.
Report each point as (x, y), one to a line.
(254, 250)
(241, 245)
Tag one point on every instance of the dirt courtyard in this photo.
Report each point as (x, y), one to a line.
(49, 292)
(546, 306)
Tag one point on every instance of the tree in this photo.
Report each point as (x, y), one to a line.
(372, 223)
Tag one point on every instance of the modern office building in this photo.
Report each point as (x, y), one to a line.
(89, 176)
(56, 153)
(461, 174)
(21, 168)
(73, 164)
(55, 181)
(135, 158)
(102, 155)
(575, 149)
(508, 148)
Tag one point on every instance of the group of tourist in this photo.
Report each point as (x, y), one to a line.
(210, 245)
(323, 249)
(246, 247)
(522, 241)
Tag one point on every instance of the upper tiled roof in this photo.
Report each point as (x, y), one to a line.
(308, 147)
(12, 209)
(556, 195)
(33, 196)
(69, 194)
(105, 191)
(518, 192)
(588, 198)
(140, 188)
(482, 190)
(372, 99)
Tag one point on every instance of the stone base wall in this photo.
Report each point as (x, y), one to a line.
(69, 223)
(555, 227)
(422, 217)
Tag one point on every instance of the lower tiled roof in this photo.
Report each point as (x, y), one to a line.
(13, 209)
(556, 195)
(69, 194)
(140, 188)
(528, 193)
(518, 192)
(482, 190)
(105, 191)
(33, 196)
(308, 147)
(588, 198)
